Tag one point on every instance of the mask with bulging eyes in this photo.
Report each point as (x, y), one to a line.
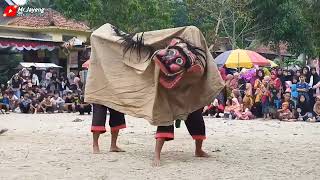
(176, 60)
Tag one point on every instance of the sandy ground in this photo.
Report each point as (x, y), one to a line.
(53, 147)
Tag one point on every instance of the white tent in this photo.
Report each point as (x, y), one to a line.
(37, 65)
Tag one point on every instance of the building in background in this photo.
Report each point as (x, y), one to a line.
(40, 39)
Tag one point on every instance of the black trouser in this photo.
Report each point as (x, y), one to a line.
(116, 120)
(195, 125)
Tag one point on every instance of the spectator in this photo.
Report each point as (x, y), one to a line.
(303, 87)
(14, 101)
(48, 77)
(46, 105)
(25, 104)
(69, 103)
(83, 107)
(16, 85)
(303, 109)
(35, 80)
(35, 105)
(3, 88)
(58, 103)
(5, 102)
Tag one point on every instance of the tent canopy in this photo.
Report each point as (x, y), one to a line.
(37, 65)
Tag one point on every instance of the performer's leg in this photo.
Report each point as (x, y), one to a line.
(197, 129)
(116, 122)
(98, 125)
(164, 133)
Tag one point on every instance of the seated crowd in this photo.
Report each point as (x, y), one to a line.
(25, 93)
(281, 94)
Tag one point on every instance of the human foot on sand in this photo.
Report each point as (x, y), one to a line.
(116, 149)
(156, 162)
(201, 153)
(96, 149)
(3, 131)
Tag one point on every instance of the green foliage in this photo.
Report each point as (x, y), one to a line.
(128, 15)
(289, 62)
(282, 21)
(11, 61)
(296, 22)
(223, 18)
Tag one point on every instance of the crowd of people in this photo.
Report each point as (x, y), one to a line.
(32, 91)
(274, 93)
(287, 95)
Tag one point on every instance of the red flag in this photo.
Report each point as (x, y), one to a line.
(10, 11)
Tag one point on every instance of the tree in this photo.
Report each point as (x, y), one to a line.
(227, 18)
(282, 21)
(7, 69)
(128, 15)
(310, 9)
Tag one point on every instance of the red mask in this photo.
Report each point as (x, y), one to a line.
(174, 61)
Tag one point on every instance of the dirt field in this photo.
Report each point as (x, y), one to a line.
(53, 147)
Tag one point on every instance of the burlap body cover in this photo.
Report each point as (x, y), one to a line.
(130, 84)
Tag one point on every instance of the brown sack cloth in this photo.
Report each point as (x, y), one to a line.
(132, 87)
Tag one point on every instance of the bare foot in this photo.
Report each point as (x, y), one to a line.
(96, 149)
(201, 153)
(116, 149)
(156, 162)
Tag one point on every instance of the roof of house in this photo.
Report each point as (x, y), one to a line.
(269, 49)
(50, 18)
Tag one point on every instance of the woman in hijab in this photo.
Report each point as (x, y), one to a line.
(281, 77)
(314, 80)
(303, 108)
(306, 72)
(258, 81)
(235, 107)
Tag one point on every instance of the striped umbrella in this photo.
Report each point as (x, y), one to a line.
(241, 58)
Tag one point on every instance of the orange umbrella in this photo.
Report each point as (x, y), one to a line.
(86, 64)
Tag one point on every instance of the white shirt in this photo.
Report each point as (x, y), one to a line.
(35, 80)
(48, 75)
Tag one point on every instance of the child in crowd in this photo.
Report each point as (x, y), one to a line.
(265, 101)
(284, 113)
(25, 104)
(35, 105)
(294, 91)
(303, 87)
(46, 105)
(244, 113)
(247, 99)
